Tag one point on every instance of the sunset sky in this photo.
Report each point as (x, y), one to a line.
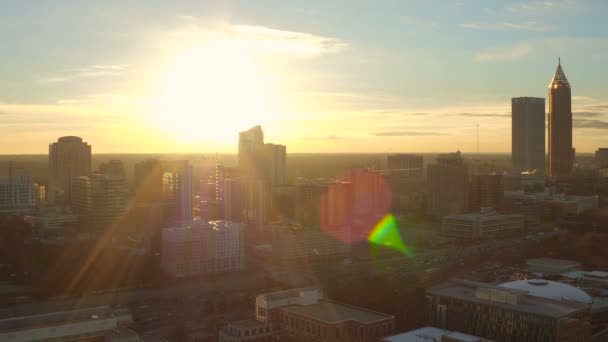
(318, 75)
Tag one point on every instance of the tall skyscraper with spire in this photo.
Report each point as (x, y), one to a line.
(561, 153)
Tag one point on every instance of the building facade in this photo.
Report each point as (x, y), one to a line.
(528, 134)
(100, 200)
(411, 164)
(506, 314)
(52, 222)
(447, 186)
(17, 190)
(561, 152)
(486, 191)
(487, 223)
(69, 158)
(248, 331)
(202, 248)
(601, 158)
(177, 188)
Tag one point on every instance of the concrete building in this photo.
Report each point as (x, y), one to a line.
(487, 223)
(527, 181)
(432, 334)
(447, 186)
(113, 168)
(91, 324)
(248, 330)
(100, 200)
(69, 158)
(601, 158)
(149, 181)
(486, 191)
(510, 312)
(308, 196)
(247, 200)
(16, 190)
(261, 161)
(303, 315)
(528, 134)
(202, 248)
(555, 204)
(411, 165)
(561, 151)
(52, 222)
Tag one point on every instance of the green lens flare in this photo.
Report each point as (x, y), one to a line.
(386, 234)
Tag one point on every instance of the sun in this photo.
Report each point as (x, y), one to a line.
(212, 92)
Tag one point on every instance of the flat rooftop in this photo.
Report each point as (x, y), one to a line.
(465, 291)
(287, 293)
(332, 312)
(56, 318)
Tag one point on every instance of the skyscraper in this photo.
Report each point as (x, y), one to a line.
(528, 134)
(447, 185)
(101, 200)
(261, 161)
(148, 181)
(69, 158)
(486, 191)
(561, 153)
(251, 143)
(177, 189)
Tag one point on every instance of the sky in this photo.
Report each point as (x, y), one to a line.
(319, 76)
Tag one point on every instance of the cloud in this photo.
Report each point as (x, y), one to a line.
(504, 54)
(481, 115)
(327, 137)
(587, 114)
(539, 7)
(586, 123)
(509, 26)
(403, 133)
(259, 39)
(86, 72)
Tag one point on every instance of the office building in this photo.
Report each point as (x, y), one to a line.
(177, 189)
(92, 324)
(410, 164)
(100, 200)
(247, 200)
(486, 191)
(554, 204)
(69, 158)
(200, 248)
(302, 314)
(113, 168)
(262, 161)
(432, 334)
(248, 330)
(534, 310)
(487, 223)
(308, 197)
(447, 186)
(601, 158)
(16, 190)
(528, 134)
(337, 205)
(149, 181)
(561, 152)
(527, 181)
(52, 222)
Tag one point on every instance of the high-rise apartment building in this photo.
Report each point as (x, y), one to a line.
(100, 200)
(447, 185)
(409, 164)
(528, 134)
(251, 143)
(486, 191)
(69, 158)
(246, 200)
(274, 164)
(561, 152)
(199, 248)
(149, 181)
(259, 160)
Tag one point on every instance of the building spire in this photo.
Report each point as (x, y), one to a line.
(559, 79)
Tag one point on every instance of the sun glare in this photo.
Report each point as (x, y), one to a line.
(210, 92)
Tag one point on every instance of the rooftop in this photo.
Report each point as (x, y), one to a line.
(465, 290)
(55, 318)
(431, 334)
(559, 79)
(550, 289)
(333, 312)
(287, 293)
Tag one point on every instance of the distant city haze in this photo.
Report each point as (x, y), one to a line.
(320, 77)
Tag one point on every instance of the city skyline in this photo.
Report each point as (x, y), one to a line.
(187, 77)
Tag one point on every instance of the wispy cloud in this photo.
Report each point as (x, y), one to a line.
(419, 22)
(587, 123)
(326, 137)
(86, 72)
(481, 115)
(587, 114)
(532, 7)
(509, 26)
(403, 133)
(504, 54)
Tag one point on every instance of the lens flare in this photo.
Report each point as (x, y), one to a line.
(386, 234)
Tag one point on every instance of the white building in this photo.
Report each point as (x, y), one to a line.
(91, 324)
(201, 248)
(16, 190)
(486, 223)
(51, 222)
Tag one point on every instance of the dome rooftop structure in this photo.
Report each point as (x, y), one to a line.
(550, 289)
(559, 79)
